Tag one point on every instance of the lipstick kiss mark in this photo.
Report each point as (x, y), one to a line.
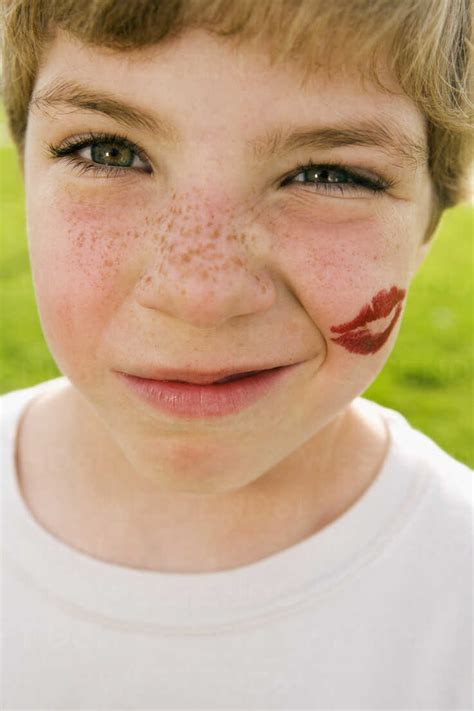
(356, 337)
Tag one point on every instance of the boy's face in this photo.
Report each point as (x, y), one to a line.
(212, 250)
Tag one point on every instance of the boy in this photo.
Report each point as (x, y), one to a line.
(226, 203)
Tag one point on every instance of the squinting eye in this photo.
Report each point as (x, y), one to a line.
(324, 174)
(335, 179)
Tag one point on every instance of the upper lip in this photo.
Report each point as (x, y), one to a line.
(189, 376)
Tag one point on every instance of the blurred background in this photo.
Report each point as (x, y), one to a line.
(428, 377)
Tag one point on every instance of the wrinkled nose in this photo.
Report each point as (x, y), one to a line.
(206, 281)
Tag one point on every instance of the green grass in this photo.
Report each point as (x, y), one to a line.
(428, 377)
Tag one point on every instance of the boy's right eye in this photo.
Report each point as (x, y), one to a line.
(102, 154)
(110, 153)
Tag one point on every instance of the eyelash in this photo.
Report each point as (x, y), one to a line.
(356, 181)
(71, 145)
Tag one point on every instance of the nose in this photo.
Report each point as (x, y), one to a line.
(206, 277)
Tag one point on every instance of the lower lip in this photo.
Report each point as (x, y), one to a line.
(190, 400)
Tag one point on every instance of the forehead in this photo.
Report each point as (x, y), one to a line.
(207, 85)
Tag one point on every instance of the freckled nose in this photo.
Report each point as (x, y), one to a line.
(206, 281)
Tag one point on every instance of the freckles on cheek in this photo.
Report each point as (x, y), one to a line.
(97, 234)
(95, 255)
(80, 263)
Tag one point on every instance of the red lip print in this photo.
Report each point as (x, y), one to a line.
(356, 337)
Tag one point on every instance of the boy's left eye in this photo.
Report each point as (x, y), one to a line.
(325, 174)
(335, 179)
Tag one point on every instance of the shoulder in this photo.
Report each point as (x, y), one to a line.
(14, 404)
(447, 502)
(13, 400)
(417, 449)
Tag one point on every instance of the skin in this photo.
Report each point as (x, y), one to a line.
(208, 263)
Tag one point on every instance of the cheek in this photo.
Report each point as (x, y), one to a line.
(82, 260)
(345, 274)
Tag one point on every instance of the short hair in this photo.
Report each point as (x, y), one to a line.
(426, 42)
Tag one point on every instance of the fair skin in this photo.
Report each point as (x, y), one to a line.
(197, 256)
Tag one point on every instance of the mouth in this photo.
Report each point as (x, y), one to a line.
(356, 337)
(229, 378)
(210, 378)
(210, 396)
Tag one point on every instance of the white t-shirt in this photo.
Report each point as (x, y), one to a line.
(373, 612)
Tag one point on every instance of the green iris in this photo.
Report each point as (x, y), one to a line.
(112, 154)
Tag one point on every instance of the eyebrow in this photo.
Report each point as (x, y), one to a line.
(371, 132)
(280, 141)
(79, 97)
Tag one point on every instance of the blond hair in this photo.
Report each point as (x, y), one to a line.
(428, 44)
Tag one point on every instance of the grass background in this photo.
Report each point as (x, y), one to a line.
(428, 378)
